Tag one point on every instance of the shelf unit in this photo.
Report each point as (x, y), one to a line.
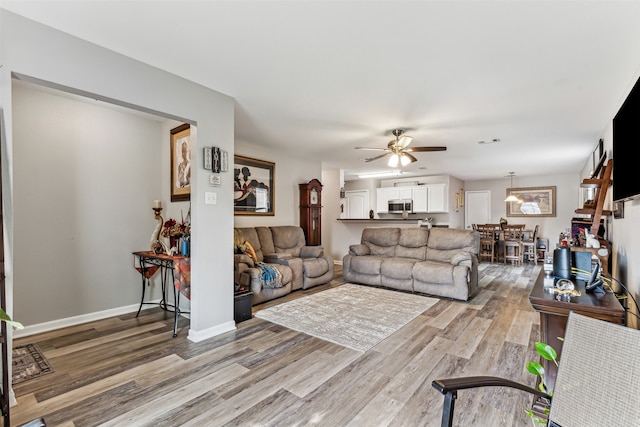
(601, 185)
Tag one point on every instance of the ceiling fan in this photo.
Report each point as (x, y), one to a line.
(397, 149)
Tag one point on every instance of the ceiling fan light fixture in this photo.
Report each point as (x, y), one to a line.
(405, 160)
(393, 160)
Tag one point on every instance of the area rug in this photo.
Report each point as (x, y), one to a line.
(358, 317)
(28, 363)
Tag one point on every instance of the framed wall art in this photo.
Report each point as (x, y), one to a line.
(215, 165)
(181, 163)
(207, 158)
(532, 201)
(254, 186)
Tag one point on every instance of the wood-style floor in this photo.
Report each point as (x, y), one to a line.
(128, 371)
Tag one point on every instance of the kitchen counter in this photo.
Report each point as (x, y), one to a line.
(389, 220)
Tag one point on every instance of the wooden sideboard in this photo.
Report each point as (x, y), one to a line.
(554, 313)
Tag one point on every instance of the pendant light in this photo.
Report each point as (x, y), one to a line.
(511, 197)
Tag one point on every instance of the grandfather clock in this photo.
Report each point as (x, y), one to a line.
(310, 211)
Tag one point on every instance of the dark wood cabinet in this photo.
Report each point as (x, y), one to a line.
(311, 211)
(554, 314)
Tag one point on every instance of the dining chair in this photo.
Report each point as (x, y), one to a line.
(529, 240)
(513, 243)
(597, 384)
(488, 242)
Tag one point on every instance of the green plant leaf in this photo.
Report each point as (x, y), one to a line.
(546, 351)
(535, 368)
(6, 318)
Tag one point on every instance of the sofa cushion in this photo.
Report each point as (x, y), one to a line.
(315, 267)
(433, 272)
(381, 241)
(446, 242)
(398, 268)
(366, 264)
(288, 239)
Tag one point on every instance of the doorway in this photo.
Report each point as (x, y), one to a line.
(477, 207)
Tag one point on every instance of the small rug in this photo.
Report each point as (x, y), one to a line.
(354, 316)
(28, 363)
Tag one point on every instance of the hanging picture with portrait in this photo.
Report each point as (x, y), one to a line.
(253, 192)
(181, 163)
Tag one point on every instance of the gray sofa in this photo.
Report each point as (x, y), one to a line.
(284, 248)
(437, 261)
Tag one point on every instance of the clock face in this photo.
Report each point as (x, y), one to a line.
(314, 197)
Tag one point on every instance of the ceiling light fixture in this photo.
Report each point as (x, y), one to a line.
(379, 174)
(393, 160)
(511, 197)
(493, 141)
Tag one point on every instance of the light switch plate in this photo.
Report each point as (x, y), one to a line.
(210, 198)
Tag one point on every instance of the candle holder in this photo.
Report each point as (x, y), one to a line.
(157, 246)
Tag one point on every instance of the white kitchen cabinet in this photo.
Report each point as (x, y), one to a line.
(383, 195)
(404, 193)
(437, 198)
(420, 196)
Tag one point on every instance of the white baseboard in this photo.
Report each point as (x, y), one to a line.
(76, 320)
(211, 332)
(336, 262)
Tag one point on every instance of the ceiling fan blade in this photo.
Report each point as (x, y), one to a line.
(371, 159)
(404, 141)
(418, 149)
(373, 149)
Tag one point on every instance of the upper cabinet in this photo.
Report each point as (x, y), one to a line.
(420, 199)
(438, 200)
(429, 198)
(383, 195)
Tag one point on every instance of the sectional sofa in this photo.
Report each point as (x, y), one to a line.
(283, 248)
(438, 261)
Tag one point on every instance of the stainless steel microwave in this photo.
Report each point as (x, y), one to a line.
(400, 205)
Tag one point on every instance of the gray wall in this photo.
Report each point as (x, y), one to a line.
(84, 180)
(40, 53)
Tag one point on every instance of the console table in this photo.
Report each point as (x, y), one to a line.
(554, 314)
(148, 263)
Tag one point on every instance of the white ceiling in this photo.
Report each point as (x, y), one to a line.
(322, 77)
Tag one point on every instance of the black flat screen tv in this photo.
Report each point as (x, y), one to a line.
(626, 137)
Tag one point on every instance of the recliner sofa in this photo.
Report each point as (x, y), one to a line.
(438, 261)
(284, 248)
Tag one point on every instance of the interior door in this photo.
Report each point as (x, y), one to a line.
(477, 207)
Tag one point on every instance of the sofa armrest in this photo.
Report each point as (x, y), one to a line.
(359, 250)
(462, 258)
(311, 251)
(243, 259)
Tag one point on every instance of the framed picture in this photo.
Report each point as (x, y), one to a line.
(181, 163)
(532, 201)
(224, 161)
(207, 157)
(215, 166)
(253, 192)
